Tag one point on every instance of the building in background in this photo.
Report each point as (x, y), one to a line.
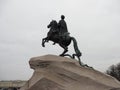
(11, 85)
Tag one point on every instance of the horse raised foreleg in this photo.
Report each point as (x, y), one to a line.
(43, 41)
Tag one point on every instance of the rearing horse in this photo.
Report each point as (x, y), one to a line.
(63, 40)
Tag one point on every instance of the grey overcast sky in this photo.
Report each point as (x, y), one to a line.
(23, 23)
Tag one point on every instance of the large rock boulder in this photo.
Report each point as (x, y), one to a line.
(61, 73)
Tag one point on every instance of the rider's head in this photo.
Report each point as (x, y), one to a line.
(62, 17)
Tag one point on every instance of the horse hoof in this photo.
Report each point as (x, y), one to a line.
(43, 45)
(61, 55)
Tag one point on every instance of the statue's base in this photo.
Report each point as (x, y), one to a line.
(60, 73)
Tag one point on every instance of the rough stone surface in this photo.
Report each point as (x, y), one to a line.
(61, 73)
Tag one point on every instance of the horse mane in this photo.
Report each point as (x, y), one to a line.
(55, 22)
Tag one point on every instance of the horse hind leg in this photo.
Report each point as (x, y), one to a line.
(73, 56)
(65, 50)
(79, 60)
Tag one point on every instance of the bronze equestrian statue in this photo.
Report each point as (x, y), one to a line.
(59, 34)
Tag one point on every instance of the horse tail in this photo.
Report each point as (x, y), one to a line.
(77, 51)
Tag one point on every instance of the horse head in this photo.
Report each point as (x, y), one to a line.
(53, 24)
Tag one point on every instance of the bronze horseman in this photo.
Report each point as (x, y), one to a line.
(58, 33)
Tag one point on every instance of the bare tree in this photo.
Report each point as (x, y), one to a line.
(114, 71)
